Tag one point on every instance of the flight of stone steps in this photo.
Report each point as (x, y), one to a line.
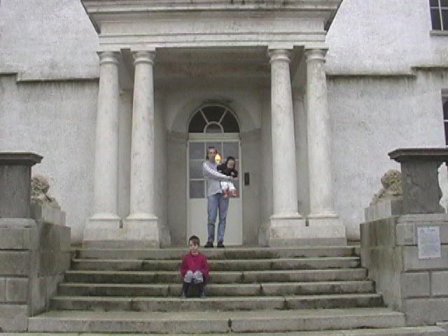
(261, 291)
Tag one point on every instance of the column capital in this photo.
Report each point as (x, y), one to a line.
(108, 57)
(279, 55)
(315, 54)
(144, 56)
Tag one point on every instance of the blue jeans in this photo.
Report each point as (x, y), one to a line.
(216, 203)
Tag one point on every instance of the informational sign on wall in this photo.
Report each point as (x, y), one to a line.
(429, 246)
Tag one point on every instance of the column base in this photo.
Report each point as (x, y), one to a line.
(143, 229)
(284, 230)
(101, 227)
(326, 229)
(136, 231)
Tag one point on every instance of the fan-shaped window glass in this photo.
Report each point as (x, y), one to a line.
(230, 124)
(213, 113)
(197, 124)
(213, 119)
(214, 128)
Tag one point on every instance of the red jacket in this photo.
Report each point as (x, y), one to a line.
(194, 263)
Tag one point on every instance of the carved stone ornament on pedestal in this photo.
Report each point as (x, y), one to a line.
(392, 187)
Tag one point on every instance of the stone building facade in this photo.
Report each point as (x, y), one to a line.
(122, 98)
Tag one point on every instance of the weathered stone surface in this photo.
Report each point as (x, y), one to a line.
(14, 263)
(419, 169)
(411, 262)
(53, 262)
(13, 317)
(426, 311)
(18, 238)
(46, 214)
(39, 300)
(383, 209)
(15, 191)
(408, 224)
(53, 237)
(439, 284)
(15, 183)
(378, 233)
(216, 321)
(17, 290)
(2, 289)
(415, 285)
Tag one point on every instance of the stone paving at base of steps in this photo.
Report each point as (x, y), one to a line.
(406, 331)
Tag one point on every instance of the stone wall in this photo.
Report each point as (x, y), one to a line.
(34, 254)
(417, 287)
(370, 116)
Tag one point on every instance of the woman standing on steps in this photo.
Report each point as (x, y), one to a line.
(216, 202)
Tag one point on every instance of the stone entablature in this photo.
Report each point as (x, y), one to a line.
(133, 24)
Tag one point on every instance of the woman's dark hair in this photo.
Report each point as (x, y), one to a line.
(195, 240)
(228, 159)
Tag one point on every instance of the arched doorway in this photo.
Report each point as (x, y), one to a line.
(212, 125)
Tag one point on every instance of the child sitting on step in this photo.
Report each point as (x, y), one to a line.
(228, 168)
(194, 269)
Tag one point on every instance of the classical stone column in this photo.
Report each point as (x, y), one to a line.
(141, 224)
(322, 214)
(105, 197)
(286, 220)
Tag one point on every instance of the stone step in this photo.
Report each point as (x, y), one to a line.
(226, 253)
(161, 304)
(219, 265)
(401, 331)
(267, 321)
(172, 277)
(289, 288)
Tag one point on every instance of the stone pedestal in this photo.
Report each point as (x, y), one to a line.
(383, 209)
(34, 245)
(15, 184)
(419, 176)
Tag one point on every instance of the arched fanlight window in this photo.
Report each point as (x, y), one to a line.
(213, 119)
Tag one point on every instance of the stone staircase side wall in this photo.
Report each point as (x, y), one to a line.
(34, 254)
(390, 251)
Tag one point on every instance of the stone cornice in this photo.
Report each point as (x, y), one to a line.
(117, 10)
(27, 78)
(133, 6)
(412, 73)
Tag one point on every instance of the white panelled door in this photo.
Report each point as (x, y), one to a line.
(227, 145)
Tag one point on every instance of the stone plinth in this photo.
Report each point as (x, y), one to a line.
(15, 184)
(421, 191)
(34, 245)
(383, 209)
(389, 249)
(410, 281)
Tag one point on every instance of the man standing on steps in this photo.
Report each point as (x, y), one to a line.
(216, 202)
